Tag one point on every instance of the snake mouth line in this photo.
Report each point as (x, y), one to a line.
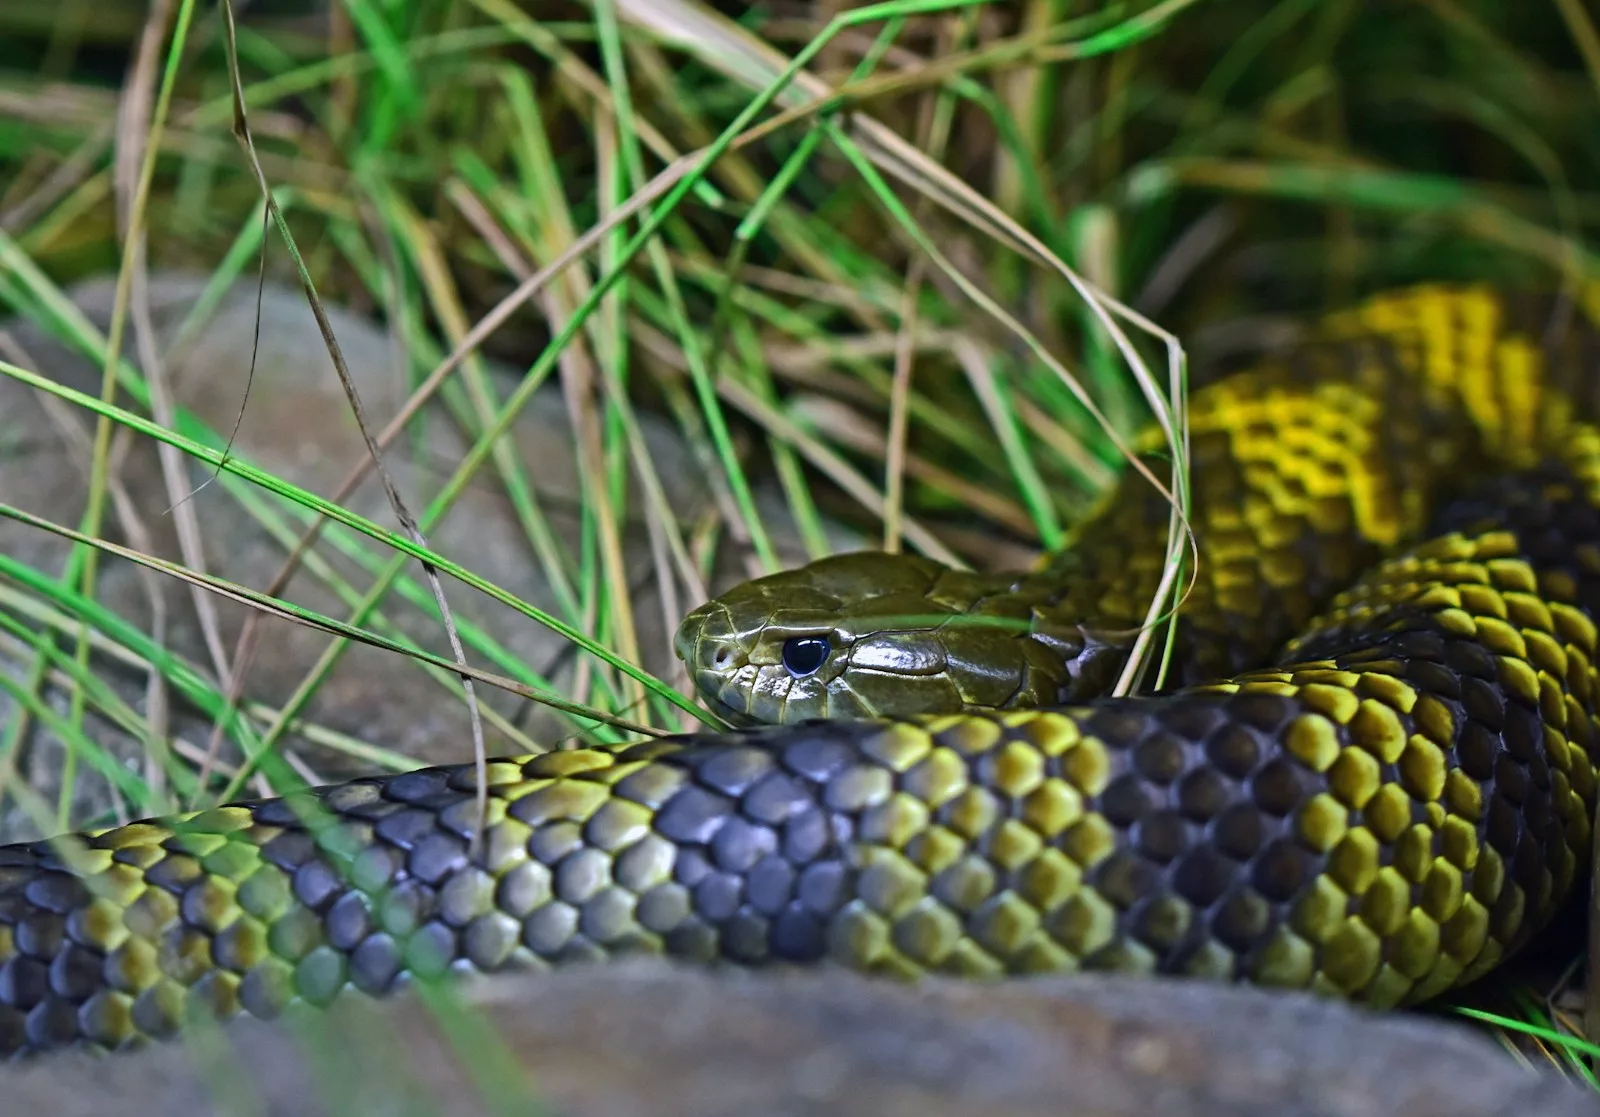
(734, 716)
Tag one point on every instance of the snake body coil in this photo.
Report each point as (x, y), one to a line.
(1381, 809)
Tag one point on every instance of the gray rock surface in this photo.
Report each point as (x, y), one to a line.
(646, 1040)
(297, 424)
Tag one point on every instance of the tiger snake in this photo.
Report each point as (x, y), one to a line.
(1369, 774)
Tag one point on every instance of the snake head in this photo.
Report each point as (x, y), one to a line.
(871, 634)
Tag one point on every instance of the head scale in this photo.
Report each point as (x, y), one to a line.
(886, 635)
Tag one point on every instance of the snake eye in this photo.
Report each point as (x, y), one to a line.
(804, 655)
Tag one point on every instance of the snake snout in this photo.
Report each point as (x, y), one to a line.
(719, 656)
(707, 643)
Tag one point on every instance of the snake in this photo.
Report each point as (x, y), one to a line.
(1367, 770)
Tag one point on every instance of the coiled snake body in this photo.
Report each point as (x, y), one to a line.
(1381, 808)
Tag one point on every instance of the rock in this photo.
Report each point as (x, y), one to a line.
(648, 1040)
(297, 424)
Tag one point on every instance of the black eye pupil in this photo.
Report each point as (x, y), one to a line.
(803, 655)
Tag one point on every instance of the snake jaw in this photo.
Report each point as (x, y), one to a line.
(733, 715)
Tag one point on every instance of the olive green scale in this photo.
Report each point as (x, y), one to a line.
(1388, 810)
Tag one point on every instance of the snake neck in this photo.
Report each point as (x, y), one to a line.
(1306, 470)
(1309, 469)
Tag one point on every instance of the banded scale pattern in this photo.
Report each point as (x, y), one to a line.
(1387, 815)
(1390, 809)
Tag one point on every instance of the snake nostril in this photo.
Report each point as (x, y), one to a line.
(722, 658)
